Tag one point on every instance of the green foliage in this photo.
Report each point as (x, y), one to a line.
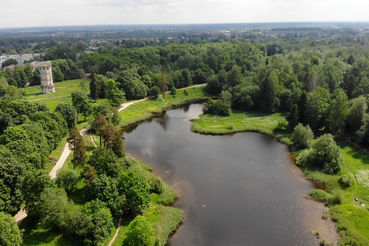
(10, 235)
(337, 112)
(11, 174)
(77, 144)
(136, 190)
(8, 62)
(118, 145)
(67, 179)
(302, 136)
(140, 233)
(113, 94)
(69, 113)
(154, 91)
(106, 190)
(81, 103)
(52, 207)
(356, 114)
(324, 155)
(105, 162)
(33, 184)
(157, 186)
(91, 224)
(346, 180)
(173, 91)
(217, 107)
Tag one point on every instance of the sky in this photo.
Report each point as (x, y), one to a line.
(30, 13)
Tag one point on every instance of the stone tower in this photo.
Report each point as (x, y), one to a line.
(47, 84)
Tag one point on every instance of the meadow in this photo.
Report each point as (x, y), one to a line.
(63, 91)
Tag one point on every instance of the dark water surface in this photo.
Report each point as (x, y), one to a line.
(241, 189)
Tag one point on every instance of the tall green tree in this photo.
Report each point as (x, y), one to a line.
(77, 144)
(136, 190)
(69, 113)
(338, 111)
(11, 174)
(10, 235)
(81, 103)
(105, 162)
(140, 233)
(357, 112)
(268, 93)
(34, 182)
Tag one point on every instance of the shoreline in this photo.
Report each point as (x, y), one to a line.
(277, 137)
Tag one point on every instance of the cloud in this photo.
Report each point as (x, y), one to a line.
(98, 12)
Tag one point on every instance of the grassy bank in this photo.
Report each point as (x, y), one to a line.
(145, 109)
(63, 91)
(241, 121)
(351, 218)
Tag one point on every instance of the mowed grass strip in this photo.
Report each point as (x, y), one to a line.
(62, 95)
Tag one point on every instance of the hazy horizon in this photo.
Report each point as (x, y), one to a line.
(42, 13)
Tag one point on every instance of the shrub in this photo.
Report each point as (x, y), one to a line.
(157, 185)
(217, 107)
(154, 91)
(230, 127)
(302, 136)
(345, 180)
(140, 232)
(324, 155)
(173, 91)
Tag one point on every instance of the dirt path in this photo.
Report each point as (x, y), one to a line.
(118, 229)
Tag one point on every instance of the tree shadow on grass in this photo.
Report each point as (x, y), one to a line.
(357, 154)
(33, 235)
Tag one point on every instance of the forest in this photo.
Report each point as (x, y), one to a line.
(321, 85)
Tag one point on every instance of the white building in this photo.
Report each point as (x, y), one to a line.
(20, 58)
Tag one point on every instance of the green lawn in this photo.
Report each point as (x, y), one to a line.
(63, 91)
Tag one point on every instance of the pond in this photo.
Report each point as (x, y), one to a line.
(240, 189)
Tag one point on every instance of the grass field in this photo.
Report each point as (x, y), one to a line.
(63, 93)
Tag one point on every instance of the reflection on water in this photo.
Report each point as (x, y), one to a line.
(242, 189)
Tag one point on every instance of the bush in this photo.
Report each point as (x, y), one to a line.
(302, 136)
(154, 91)
(304, 158)
(185, 92)
(345, 180)
(173, 91)
(157, 185)
(230, 126)
(140, 233)
(217, 107)
(324, 155)
(67, 179)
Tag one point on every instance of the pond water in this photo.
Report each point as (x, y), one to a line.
(241, 189)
